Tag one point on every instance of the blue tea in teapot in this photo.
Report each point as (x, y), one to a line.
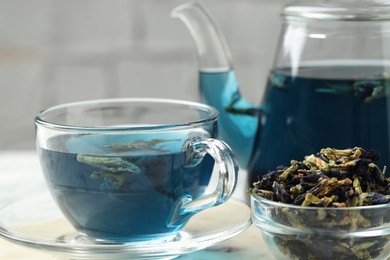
(325, 106)
(328, 87)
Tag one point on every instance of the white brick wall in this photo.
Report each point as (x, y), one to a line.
(55, 51)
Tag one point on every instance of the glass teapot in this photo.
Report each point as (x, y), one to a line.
(329, 86)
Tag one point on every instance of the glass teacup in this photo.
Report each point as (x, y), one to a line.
(133, 169)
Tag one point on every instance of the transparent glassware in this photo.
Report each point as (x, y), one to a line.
(328, 86)
(297, 232)
(129, 170)
(36, 222)
(330, 31)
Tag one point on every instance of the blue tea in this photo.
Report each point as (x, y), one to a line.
(121, 189)
(323, 106)
(231, 122)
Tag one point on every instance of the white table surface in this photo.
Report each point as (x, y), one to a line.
(20, 175)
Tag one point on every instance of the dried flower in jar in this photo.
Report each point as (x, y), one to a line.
(326, 191)
(330, 178)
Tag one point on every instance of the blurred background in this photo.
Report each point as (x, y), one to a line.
(56, 51)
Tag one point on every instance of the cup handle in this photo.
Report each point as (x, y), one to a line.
(227, 181)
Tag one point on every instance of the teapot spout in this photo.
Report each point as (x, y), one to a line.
(213, 52)
(218, 85)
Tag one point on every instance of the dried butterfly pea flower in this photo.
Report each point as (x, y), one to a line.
(345, 174)
(328, 180)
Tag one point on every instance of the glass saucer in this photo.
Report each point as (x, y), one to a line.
(36, 222)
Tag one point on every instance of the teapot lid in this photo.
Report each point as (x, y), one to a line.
(354, 10)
